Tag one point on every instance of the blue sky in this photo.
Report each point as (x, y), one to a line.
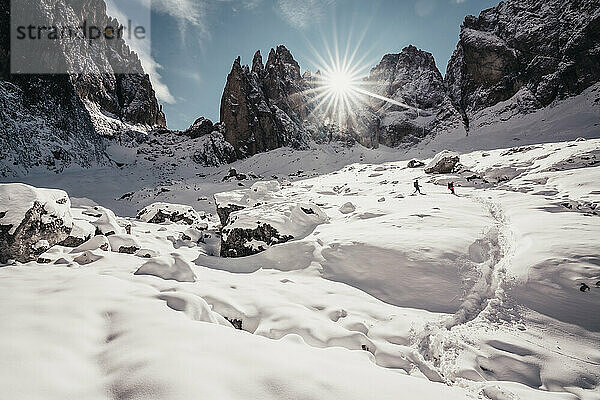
(194, 42)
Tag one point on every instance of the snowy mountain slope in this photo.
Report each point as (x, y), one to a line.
(479, 290)
(164, 168)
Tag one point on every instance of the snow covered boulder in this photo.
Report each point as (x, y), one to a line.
(194, 235)
(168, 267)
(157, 213)
(82, 231)
(31, 220)
(124, 244)
(252, 230)
(259, 193)
(98, 242)
(443, 163)
(106, 224)
(87, 257)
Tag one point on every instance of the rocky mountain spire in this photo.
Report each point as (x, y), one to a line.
(410, 77)
(257, 63)
(257, 104)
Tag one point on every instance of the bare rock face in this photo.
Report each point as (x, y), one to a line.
(273, 105)
(31, 221)
(546, 48)
(224, 210)
(262, 107)
(412, 78)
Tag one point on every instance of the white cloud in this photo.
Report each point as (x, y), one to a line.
(303, 13)
(424, 8)
(186, 12)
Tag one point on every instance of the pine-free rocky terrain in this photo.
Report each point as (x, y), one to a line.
(273, 255)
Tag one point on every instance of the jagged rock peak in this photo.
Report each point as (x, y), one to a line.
(410, 77)
(282, 57)
(257, 63)
(409, 54)
(260, 109)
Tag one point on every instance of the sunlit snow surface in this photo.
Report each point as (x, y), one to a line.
(399, 296)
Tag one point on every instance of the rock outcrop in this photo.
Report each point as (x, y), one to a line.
(254, 219)
(263, 108)
(241, 242)
(158, 213)
(444, 162)
(545, 49)
(201, 127)
(31, 221)
(270, 106)
(412, 78)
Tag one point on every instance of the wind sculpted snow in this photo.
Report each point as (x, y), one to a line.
(473, 295)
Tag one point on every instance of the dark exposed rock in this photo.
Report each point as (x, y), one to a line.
(232, 173)
(237, 323)
(234, 241)
(72, 241)
(128, 249)
(443, 163)
(263, 108)
(547, 48)
(40, 227)
(415, 164)
(202, 126)
(223, 211)
(158, 213)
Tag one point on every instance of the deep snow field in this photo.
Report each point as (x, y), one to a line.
(380, 295)
(389, 295)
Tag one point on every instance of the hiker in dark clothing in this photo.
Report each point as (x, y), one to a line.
(451, 187)
(584, 287)
(417, 187)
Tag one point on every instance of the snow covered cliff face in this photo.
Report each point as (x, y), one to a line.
(410, 77)
(53, 121)
(543, 49)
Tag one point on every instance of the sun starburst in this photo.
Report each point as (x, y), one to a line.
(341, 90)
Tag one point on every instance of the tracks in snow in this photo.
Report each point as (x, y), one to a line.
(437, 344)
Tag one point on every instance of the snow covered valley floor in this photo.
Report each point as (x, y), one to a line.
(379, 294)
